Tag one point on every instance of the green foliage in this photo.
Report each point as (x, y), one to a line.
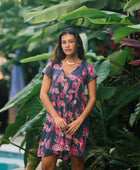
(32, 160)
(125, 31)
(31, 90)
(113, 144)
(118, 60)
(99, 17)
(36, 58)
(132, 5)
(39, 14)
(135, 116)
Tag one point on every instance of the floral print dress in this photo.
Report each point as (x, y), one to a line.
(67, 94)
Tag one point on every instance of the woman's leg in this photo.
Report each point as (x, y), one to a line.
(49, 162)
(77, 163)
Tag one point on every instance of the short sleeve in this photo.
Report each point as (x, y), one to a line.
(91, 73)
(47, 70)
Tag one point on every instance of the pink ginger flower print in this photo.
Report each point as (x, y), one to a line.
(74, 102)
(65, 87)
(75, 140)
(74, 150)
(53, 102)
(59, 132)
(72, 77)
(41, 143)
(48, 144)
(56, 83)
(86, 132)
(58, 103)
(75, 85)
(61, 95)
(82, 106)
(61, 78)
(76, 110)
(71, 91)
(82, 145)
(49, 117)
(91, 69)
(68, 136)
(56, 66)
(54, 77)
(53, 97)
(83, 96)
(84, 72)
(57, 147)
(67, 145)
(70, 97)
(47, 129)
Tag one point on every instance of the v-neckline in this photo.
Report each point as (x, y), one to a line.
(79, 64)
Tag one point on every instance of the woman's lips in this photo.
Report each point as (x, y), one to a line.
(67, 50)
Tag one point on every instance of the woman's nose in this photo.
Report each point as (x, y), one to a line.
(67, 44)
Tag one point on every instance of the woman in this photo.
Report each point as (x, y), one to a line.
(66, 128)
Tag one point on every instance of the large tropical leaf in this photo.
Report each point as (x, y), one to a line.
(125, 31)
(32, 89)
(39, 14)
(40, 57)
(27, 116)
(103, 68)
(107, 92)
(123, 98)
(117, 61)
(47, 31)
(32, 160)
(37, 115)
(135, 116)
(96, 16)
(132, 5)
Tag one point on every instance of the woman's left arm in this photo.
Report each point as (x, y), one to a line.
(73, 127)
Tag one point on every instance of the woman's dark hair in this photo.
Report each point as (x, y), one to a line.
(58, 52)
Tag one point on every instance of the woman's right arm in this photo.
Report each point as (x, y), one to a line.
(46, 84)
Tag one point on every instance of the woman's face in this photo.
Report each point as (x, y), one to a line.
(68, 44)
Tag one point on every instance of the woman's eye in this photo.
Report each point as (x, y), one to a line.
(71, 41)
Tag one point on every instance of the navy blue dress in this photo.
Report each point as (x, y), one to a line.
(67, 94)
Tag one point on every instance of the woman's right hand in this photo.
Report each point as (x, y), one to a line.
(60, 123)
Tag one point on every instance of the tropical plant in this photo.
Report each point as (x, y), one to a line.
(114, 143)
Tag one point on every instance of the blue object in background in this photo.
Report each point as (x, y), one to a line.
(17, 80)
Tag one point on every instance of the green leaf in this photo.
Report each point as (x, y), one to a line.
(36, 58)
(134, 117)
(39, 15)
(94, 56)
(85, 41)
(117, 61)
(107, 92)
(96, 16)
(132, 5)
(32, 89)
(120, 163)
(32, 160)
(23, 121)
(102, 68)
(125, 31)
(127, 144)
(124, 97)
(47, 31)
(36, 111)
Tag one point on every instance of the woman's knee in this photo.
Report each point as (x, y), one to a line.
(77, 163)
(48, 162)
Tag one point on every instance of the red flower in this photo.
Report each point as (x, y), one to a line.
(101, 49)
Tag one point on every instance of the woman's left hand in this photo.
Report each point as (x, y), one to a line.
(74, 126)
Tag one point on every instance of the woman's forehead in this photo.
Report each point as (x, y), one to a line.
(67, 36)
